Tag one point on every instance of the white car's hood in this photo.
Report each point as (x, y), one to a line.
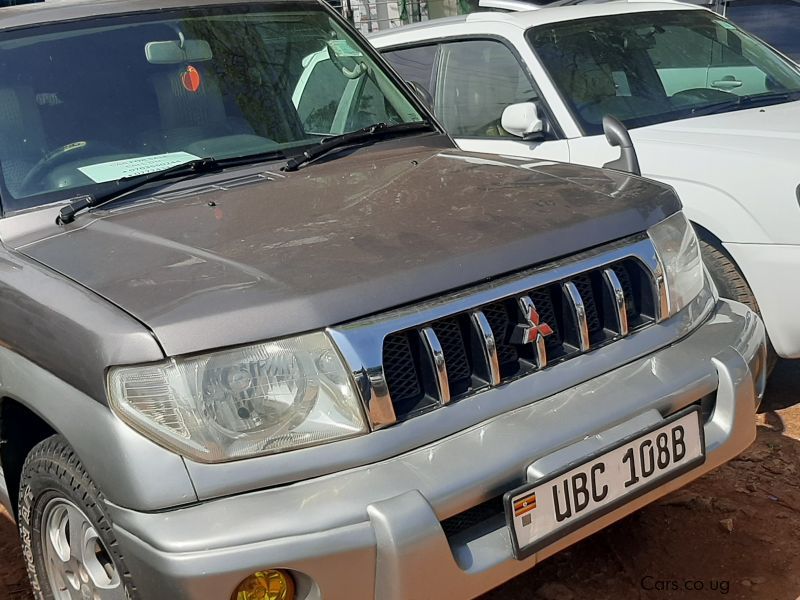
(755, 130)
(744, 165)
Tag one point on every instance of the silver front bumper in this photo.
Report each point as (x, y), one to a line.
(375, 531)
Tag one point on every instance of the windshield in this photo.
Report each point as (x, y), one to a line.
(777, 22)
(86, 103)
(653, 67)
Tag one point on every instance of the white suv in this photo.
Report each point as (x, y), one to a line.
(777, 22)
(712, 111)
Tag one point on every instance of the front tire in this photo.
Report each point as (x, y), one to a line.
(67, 541)
(731, 284)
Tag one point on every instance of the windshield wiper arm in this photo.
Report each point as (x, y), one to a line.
(126, 185)
(376, 131)
(748, 100)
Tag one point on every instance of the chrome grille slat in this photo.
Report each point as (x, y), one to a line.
(474, 328)
(579, 314)
(620, 301)
(488, 347)
(435, 354)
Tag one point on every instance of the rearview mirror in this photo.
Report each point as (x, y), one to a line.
(172, 52)
(522, 120)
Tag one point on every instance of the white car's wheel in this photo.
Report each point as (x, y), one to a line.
(731, 284)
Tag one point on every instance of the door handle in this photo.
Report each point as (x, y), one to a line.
(726, 84)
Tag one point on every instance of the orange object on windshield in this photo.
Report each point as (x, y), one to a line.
(190, 79)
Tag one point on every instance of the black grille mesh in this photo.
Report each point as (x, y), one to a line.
(399, 368)
(455, 354)
(543, 301)
(584, 285)
(473, 516)
(497, 316)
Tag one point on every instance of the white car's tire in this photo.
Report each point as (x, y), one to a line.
(731, 284)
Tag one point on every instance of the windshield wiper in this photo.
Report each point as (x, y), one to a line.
(373, 132)
(126, 185)
(745, 101)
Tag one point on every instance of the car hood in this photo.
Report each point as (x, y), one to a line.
(744, 161)
(770, 132)
(279, 254)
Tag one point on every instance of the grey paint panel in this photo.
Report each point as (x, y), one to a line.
(66, 329)
(383, 227)
(485, 460)
(131, 470)
(332, 565)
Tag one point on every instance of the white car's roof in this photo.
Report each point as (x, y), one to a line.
(529, 18)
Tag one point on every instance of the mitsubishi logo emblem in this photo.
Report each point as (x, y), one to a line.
(531, 330)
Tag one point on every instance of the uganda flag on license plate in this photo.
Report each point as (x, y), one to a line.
(525, 504)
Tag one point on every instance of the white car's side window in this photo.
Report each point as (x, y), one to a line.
(477, 80)
(416, 65)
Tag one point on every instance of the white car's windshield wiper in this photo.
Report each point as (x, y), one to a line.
(371, 133)
(745, 101)
(126, 185)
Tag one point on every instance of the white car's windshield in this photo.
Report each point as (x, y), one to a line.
(87, 103)
(777, 22)
(652, 67)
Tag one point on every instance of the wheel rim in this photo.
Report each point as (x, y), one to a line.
(78, 565)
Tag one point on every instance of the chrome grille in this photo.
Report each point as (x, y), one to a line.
(453, 347)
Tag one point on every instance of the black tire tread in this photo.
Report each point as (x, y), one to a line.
(53, 458)
(731, 283)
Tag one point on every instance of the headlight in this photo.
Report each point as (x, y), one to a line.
(677, 248)
(247, 401)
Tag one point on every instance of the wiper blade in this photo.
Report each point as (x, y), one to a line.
(748, 100)
(376, 131)
(126, 185)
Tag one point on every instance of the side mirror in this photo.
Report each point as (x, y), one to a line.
(421, 93)
(618, 136)
(522, 120)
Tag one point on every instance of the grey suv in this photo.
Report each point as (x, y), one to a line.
(261, 346)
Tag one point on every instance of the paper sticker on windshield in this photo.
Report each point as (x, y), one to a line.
(131, 167)
(190, 78)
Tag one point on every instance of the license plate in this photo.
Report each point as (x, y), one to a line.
(543, 511)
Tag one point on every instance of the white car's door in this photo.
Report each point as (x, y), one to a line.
(468, 83)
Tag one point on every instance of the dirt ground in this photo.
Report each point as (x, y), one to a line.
(733, 533)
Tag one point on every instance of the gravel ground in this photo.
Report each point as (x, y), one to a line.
(732, 533)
